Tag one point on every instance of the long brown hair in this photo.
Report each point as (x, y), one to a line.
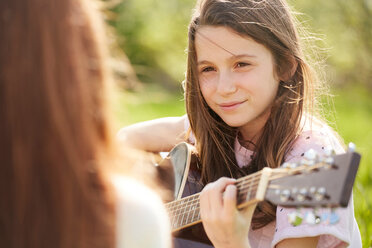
(54, 133)
(271, 24)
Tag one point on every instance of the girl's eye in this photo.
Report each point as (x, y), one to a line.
(241, 64)
(207, 69)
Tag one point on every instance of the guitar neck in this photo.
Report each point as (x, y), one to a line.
(306, 183)
(186, 211)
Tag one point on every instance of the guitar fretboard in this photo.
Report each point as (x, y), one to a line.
(186, 211)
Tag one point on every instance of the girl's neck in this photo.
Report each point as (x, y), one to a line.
(251, 132)
(249, 144)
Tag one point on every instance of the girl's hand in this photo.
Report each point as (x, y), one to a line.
(223, 223)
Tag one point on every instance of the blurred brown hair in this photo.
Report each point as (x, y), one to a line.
(54, 133)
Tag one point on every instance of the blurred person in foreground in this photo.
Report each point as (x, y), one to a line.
(59, 180)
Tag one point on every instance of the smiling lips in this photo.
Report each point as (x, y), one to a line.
(228, 106)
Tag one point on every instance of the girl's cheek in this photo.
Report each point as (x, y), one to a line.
(208, 80)
(247, 80)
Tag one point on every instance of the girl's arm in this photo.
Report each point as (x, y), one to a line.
(156, 135)
(308, 242)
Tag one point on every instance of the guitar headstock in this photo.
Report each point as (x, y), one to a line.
(315, 182)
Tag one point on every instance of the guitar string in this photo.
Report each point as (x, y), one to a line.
(195, 212)
(280, 172)
(239, 181)
(189, 201)
(189, 219)
(193, 205)
(186, 201)
(182, 207)
(182, 216)
(185, 206)
(242, 191)
(193, 215)
(190, 206)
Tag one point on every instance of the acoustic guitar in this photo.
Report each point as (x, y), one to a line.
(315, 181)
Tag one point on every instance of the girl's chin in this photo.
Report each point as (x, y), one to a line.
(233, 123)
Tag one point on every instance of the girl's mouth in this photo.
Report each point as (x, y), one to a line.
(228, 106)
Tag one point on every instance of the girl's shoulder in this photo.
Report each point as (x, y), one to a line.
(141, 217)
(319, 136)
(315, 134)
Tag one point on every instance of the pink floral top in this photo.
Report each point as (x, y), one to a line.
(343, 233)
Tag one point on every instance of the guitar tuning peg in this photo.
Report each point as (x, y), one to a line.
(351, 147)
(329, 161)
(285, 195)
(328, 151)
(303, 195)
(310, 157)
(312, 190)
(320, 194)
(311, 154)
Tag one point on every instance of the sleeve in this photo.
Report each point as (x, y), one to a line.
(142, 221)
(335, 227)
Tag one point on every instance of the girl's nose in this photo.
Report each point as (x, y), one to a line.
(226, 84)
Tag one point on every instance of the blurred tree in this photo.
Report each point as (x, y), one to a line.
(154, 35)
(347, 29)
(356, 17)
(124, 74)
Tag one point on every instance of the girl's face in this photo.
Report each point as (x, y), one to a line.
(237, 78)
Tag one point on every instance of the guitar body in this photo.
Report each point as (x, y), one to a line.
(173, 172)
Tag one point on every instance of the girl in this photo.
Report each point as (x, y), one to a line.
(57, 188)
(251, 103)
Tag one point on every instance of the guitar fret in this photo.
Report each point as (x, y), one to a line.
(178, 211)
(183, 215)
(245, 189)
(176, 223)
(187, 210)
(193, 209)
(249, 191)
(196, 211)
(181, 211)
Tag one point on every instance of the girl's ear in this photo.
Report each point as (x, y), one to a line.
(290, 69)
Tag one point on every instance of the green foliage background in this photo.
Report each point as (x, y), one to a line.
(153, 33)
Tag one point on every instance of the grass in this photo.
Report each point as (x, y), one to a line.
(354, 117)
(146, 104)
(353, 122)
